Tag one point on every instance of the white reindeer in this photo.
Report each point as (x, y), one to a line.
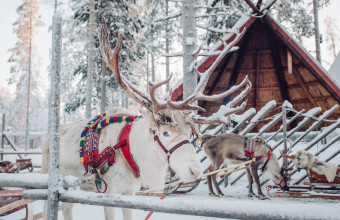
(164, 119)
(230, 148)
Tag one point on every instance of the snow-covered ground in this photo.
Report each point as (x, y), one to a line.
(235, 200)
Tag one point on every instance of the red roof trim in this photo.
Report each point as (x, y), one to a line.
(323, 76)
(179, 90)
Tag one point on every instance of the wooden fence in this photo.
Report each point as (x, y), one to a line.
(284, 138)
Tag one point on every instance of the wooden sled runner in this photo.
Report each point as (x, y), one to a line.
(180, 187)
(11, 201)
(316, 187)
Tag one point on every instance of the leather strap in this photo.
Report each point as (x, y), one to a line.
(124, 151)
(169, 152)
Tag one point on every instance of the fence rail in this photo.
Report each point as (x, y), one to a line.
(252, 120)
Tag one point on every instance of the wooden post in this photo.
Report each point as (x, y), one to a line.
(2, 135)
(284, 125)
(53, 177)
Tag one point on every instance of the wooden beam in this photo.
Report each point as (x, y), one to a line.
(257, 75)
(278, 66)
(217, 78)
(239, 61)
(252, 6)
(304, 87)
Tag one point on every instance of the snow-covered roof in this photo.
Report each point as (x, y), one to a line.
(335, 70)
(315, 67)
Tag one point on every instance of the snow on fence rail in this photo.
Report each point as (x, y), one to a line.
(251, 119)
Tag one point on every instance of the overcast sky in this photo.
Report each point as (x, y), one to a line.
(43, 39)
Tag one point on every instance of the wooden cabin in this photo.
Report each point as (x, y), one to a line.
(279, 69)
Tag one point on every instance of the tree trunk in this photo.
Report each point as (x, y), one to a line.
(189, 45)
(29, 78)
(90, 61)
(317, 35)
(167, 59)
(153, 67)
(147, 72)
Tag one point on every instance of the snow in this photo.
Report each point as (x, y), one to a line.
(334, 70)
(235, 203)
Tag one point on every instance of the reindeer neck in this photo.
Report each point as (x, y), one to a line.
(149, 157)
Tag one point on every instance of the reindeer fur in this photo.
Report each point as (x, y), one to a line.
(229, 148)
(306, 160)
(150, 158)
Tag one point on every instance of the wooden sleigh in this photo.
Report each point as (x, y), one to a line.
(180, 187)
(20, 164)
(11, 201)
(316, 187)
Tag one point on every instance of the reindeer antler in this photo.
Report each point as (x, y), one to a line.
(190, 103)
(292, 157)
(111, 59)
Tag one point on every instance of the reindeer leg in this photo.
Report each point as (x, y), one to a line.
(211, 191)
(217, 187)
(250, 182)
(253, 169)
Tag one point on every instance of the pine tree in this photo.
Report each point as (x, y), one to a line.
(119, 15)
(23, 73)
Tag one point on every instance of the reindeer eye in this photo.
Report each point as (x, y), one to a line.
(165, 134)
(168, 119)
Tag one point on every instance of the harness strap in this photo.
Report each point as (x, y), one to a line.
(124, 151)
(169, 152)
(107, 154)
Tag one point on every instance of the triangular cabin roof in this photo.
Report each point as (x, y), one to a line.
(262, 55)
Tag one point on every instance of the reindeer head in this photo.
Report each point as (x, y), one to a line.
(167, 118)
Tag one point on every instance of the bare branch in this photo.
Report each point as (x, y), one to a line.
(217, 30)
(168, 17)
(252, 6)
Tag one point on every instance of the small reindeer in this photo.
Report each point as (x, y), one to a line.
(230, 148)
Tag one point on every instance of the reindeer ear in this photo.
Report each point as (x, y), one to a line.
(150, 118)
(207, 136)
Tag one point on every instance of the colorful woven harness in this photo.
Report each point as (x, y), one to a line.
(101, 162)
(249, 149)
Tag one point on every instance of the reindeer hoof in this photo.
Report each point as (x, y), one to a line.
(262, 197)
(212, 194)
(251, 195)
(220, 195)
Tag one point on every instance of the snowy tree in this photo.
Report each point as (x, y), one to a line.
(23, 73)
(332, 36)
(119, 15)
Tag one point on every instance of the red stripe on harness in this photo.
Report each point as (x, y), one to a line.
(125, 151)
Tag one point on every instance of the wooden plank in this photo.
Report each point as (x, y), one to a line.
(238, 63)
(12, 145)
(305, 89)
(289, 62)
(14, 205)
(217, 79)
(2, 134)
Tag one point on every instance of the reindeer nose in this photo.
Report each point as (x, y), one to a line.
(194, 173)
(285, 188)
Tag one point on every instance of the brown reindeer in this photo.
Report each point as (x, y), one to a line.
(230, 148)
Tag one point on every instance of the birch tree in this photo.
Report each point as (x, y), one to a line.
(90, 61)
